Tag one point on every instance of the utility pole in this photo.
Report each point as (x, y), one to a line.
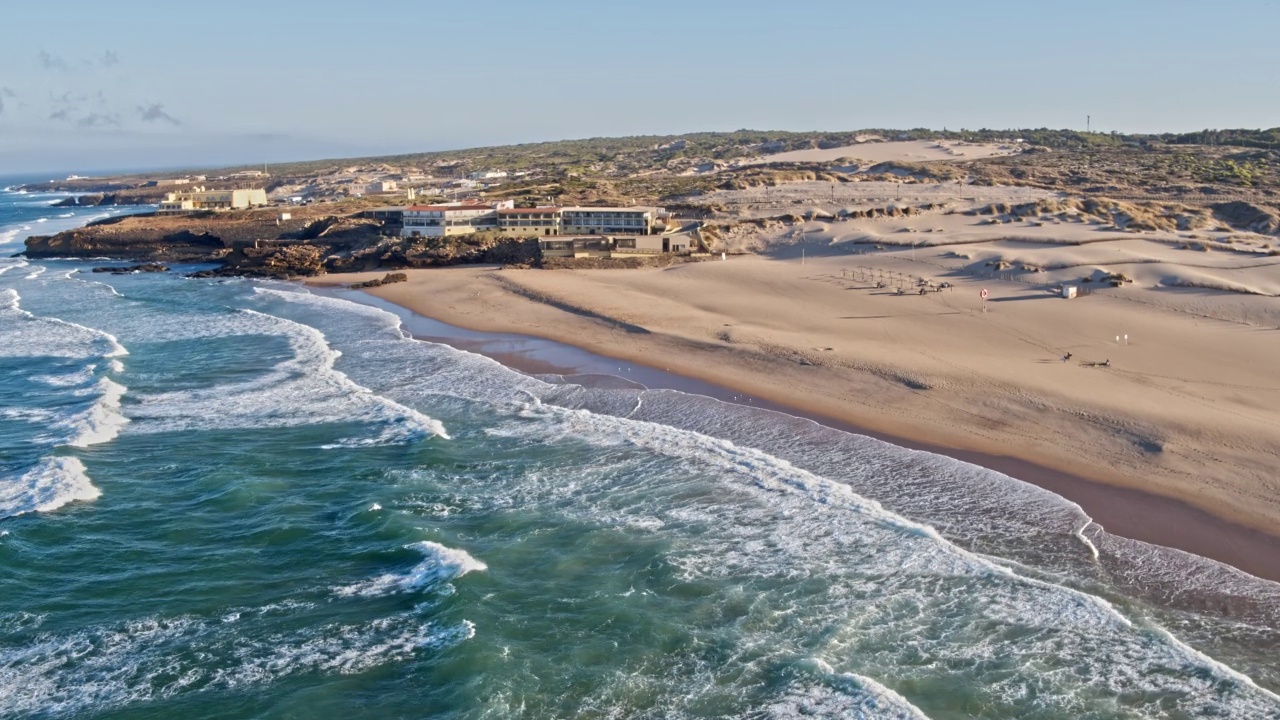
(1088, 123)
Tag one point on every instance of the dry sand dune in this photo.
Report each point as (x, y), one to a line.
(831, 198)
(895, 151)
(1053, 249)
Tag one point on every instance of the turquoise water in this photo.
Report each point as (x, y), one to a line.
(237, 499)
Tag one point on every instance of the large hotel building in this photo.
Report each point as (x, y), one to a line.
(465, 218)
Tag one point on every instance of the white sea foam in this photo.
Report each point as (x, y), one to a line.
(99, 423)
(835, 694)
(79, 276)
(439, 564)
(305, 389)
(23, 334)
(775, 475)
(801, 525)
(27, 414)
(37, 272)
(83, 376)
(12, 264)
(102, 667)
(52, 483)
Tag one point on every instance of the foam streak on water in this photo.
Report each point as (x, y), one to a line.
(302, 389)
(147, 660)
(88, 407)
(917, 550)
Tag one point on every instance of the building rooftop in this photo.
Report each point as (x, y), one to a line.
(633, 208)
(437, 208)
(514, 211)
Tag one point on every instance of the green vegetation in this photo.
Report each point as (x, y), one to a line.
(624, 155)
(665, 168)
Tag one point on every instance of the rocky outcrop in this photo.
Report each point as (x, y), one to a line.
(159, 246)
(435, 252)
(388, 279)
(127, 269)
(271, 261)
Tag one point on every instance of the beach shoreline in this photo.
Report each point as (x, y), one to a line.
(1125, 511)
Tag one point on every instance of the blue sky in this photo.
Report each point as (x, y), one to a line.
(90, 85)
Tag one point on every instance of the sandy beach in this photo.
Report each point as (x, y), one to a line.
(1187, 411)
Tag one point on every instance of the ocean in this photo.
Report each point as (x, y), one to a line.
(232, 498)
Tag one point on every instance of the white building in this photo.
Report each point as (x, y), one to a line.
(529, 221)
(448, 220)
(460, 218)
(201, 199)
(609, 220)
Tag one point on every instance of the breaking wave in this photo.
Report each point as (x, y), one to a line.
(439, 564)
(51, 484)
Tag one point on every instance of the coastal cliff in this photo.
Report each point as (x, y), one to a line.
(113, 198)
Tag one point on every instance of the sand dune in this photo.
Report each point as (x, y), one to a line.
(1067, 247)
(896, 151)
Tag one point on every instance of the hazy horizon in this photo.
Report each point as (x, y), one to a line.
(138, 89)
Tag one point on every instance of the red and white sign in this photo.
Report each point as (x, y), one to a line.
(984, 293)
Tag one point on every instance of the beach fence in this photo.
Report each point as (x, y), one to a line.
(901, 282)
(904, 282)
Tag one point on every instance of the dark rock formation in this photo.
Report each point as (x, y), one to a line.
(126, 269)
(387, 279)
(273, 261)
(92, 241)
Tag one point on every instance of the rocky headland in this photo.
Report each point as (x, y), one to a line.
(259, 243)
